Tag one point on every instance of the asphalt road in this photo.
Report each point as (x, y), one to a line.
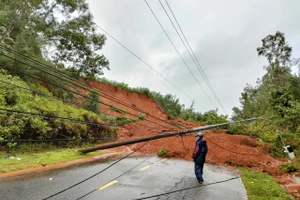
(152, 177)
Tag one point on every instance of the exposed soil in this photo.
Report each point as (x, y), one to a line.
(224, 149)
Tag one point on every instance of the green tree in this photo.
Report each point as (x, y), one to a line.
(271, 95)
(169, 102)
(278, 53)
(275, 49)
(212, 117)
(70, 39)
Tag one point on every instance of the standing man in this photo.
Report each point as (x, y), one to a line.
(199, 156)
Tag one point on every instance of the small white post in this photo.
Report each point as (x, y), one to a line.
(289, 150)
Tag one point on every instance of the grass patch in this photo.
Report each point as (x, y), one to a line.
(261, 186)
(141, 116)
(119, 110)
(35, 159)
(163, 152)
(124, 120)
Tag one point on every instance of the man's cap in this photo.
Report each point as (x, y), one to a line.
(199, 134)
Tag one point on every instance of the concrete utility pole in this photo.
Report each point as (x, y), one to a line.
(181, 132)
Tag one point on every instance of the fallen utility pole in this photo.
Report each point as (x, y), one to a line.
(171, 134)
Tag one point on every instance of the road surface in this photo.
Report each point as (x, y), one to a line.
(152, 177)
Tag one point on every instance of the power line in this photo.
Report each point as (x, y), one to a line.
(86, 97)
(82, 86)
(36, 92)
(147, 64)
(76, 184)
(198, 66)
(59, 139)
(103, 171)
(187, 188)
(26, 74)
(155, 137)
(179, 53)
(69, 91)
(73, 91)
(53, 83)
(245, 154)
(49, 96)
(190, 49)
(115, 178)
(20, 112)
(118, 176)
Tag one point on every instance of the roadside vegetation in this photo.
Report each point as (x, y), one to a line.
(262, 186)
(42, 154)
(164, 152)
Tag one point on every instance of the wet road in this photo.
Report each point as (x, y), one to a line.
(153, 176)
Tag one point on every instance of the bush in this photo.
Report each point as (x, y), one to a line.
(124, 120)
(141, 116)
(169, 103)
(276, 148)
(163, 152)
(211, 117)
(235, 129)
(119, 110)
(289, 167)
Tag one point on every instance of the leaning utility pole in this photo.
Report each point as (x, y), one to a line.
(181, 132)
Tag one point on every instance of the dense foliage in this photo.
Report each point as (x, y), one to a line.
(59, 31)
(276, 96)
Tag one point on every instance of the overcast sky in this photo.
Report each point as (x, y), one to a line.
(224, 36)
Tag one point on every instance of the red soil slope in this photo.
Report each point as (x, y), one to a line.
(224, 149)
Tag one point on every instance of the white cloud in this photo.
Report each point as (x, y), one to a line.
(223, 34)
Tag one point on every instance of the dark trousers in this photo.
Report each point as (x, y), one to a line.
(199, 171)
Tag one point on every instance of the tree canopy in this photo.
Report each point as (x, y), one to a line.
(277, 93)
(60, 31)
